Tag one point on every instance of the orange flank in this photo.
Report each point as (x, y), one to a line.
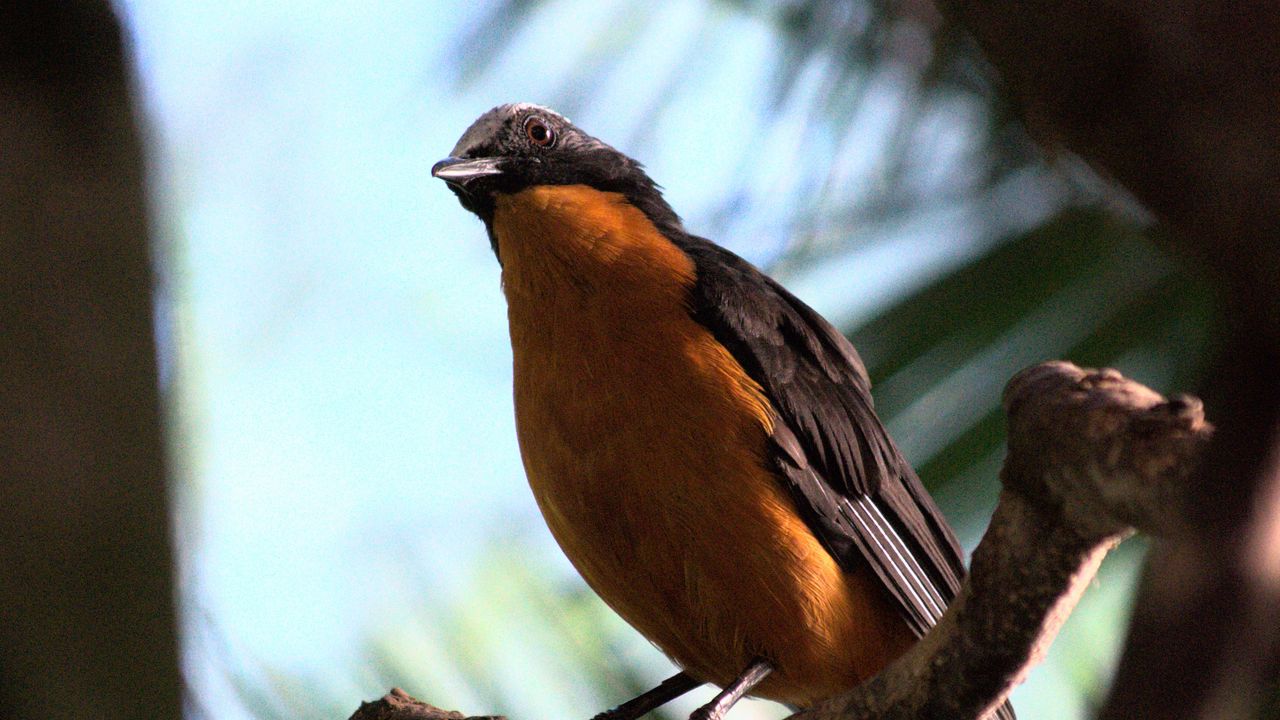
(645, 444)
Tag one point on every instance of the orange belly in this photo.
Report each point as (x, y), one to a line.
(644, 442)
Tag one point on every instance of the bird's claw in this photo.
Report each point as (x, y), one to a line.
(707, 712)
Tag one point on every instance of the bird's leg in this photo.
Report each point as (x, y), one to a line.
(758, 670)
(670, 689)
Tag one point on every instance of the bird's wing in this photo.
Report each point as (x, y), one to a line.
(854, 489)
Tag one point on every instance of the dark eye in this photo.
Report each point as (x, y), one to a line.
(538, 132)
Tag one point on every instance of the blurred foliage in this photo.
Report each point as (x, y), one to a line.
(1081, 286)
(512, 609)
(465, 651)
(1054, 272)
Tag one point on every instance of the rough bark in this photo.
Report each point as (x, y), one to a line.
(399, 705)
(86, 609)
(1179, 101)
(1092, 456)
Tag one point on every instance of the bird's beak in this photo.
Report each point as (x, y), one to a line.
(460, 171)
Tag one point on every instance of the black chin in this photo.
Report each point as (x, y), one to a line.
(475, 198)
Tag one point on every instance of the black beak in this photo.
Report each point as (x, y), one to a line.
(460, 171)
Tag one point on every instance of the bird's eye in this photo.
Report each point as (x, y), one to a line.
(538, 132)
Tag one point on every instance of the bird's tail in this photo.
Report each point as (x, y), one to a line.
(1005, 712)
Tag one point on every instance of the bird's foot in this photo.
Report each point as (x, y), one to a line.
(671, 688)
(711, 711)
(758, 670)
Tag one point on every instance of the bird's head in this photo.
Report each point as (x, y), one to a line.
(515, 147)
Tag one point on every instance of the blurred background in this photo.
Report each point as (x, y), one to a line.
(351, 509)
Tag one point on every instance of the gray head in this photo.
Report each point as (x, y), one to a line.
(514, 147)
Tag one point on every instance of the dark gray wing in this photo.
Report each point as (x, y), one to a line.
(849, 481)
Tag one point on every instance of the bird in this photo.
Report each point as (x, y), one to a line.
(701, 443)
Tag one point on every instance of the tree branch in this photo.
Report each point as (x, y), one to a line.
(1092, 456)
(1177, 100)
(399, 705)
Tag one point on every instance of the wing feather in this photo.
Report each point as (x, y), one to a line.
(849, 481)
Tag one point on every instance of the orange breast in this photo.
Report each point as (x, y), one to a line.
(644, 440)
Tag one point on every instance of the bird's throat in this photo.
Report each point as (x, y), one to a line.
(574, 239)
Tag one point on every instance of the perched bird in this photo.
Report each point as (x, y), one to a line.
(701, 443)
